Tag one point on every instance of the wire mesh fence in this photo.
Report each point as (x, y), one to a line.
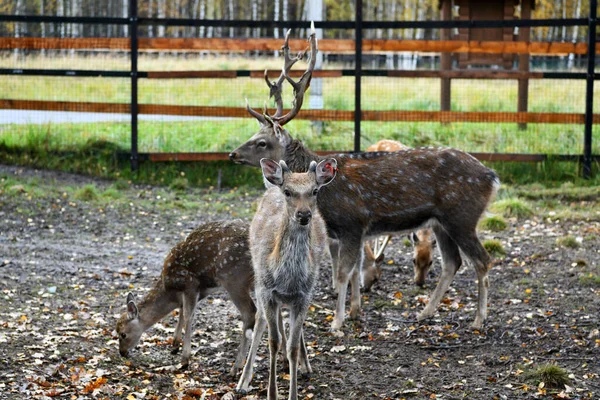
(78, 88)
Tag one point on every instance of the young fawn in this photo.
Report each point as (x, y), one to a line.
(214, 255)
(287, 238)
(380, 193)
(423, 240)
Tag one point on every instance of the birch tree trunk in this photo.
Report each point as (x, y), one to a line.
(231, 16)
(379, 32)
(202, 16)
(150, 15)
(575, 34)
(125, 14)
(161, 13)
(254, 6)
(210, 15)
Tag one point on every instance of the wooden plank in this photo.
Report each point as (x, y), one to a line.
(37, 43)
(466, 74)
(317, 115)
(119, 108)
(325, 45)
(492, 157)
(191, 74)
(208, 156)
(296, 73)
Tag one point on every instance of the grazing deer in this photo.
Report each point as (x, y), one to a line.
(423, 240)
(376, 194)
(287, 236)
(214, 255)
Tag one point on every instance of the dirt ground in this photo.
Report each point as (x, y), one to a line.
(67, 264)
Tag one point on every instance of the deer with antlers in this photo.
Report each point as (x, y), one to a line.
(377, 193)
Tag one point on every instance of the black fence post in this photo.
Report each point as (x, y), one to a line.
(133, 34)
(358, 74)
(589, 92)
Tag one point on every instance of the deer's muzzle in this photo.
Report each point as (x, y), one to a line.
(303, 217)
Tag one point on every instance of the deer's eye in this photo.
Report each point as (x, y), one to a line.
(262, 143)
(123, 335)
(287, 193)
(315, 192)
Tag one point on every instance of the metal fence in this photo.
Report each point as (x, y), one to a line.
(366, 113)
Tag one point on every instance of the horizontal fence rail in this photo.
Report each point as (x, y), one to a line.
(338, 46)
(311, 115)
(324, 73)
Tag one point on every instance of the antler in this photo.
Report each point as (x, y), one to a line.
(302, 85)
(275, 87)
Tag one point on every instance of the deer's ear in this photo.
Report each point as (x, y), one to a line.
(132, 311)
(380, 258)
(326, 171)
(413, 238)
(130, 297)
(272, 172)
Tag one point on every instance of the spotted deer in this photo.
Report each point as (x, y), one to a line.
(213, 256)
(423, 240)
(287, 237)
(444, 189)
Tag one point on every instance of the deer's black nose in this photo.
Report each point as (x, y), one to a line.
(303, 217)
(232, 156)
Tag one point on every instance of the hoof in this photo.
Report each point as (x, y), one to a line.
(175, 350)
(354, 315)
(184, 365)
(241, 392)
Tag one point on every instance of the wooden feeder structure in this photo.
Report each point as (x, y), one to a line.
(485, 10)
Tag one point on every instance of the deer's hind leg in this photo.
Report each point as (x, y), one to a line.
(247, 309)
(451, 262)
(259, 329)
(479, 257)
(350, 258)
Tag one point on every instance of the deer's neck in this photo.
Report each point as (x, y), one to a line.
(293, 250)
(298, 157)
(156, 304)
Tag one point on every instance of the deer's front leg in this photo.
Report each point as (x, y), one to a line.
(297, 316)
(272, 315)
(177, 336)
(189, 307)
(350, 256)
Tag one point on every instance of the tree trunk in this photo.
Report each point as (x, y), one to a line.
(202, 16)
(161, 13)
(231, 16)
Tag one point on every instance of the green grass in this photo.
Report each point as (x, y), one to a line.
(552, 375)
(494, 224)
(87, 193)
(567, 241)
(591, 280)
(494, 248)
(512, 207)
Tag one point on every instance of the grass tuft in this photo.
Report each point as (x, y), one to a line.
(552, 375)
(512, 207)
(590, 280)
(179, 183)
(567, 241)
(494, 248)
(494, 224)
(87, 193)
